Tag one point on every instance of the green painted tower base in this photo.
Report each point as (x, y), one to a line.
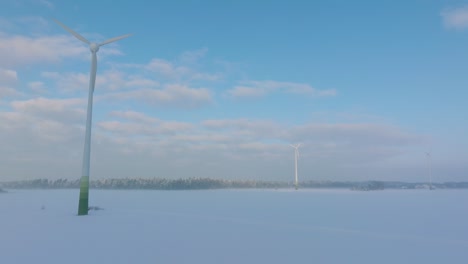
(84, 196)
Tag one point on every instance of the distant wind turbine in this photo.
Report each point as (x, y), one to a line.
(429, 162)
(296, 155)
(84, 182)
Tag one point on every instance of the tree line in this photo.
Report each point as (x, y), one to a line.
(209, 183)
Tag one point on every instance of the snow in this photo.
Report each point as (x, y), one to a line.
(235, 226)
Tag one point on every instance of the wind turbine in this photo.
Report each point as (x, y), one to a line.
(296, 155)
(429, 161)
(84, 182)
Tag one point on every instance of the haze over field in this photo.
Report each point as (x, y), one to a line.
(215, 89)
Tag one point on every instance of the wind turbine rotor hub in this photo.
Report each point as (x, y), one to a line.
(94, 47)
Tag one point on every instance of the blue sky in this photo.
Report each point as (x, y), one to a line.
(209, 88)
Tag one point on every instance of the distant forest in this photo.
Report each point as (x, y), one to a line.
(208, 183)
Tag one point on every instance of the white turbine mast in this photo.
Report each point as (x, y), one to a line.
(84, 183)
(429, 164)
(296, 156)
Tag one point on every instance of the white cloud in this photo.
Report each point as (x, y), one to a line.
(70, 81)
(455, 17)
(40, 130)
(138, 81)
(243, 91)
(37, 87)
(7, 91)
(185, 68)
(171, 95)
(108, 80)
(52, 129)
(133, 116)
(198, 137)
(179, 72)
(66, 110)
(355, 144)
(193, 56)
(166, 68)
(251, 129)
(117, 84)
(347, 143)
(40, 104)
(262, 88)
(139, 124)
(8, 76)
(19, 50)
(8, 79)
(5, 24)
(127, 129)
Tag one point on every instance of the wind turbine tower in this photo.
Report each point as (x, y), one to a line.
(84, 182)
(429, 162)
(296, 155)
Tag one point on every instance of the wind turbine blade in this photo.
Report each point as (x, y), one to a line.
(114, 39)
(78, 36)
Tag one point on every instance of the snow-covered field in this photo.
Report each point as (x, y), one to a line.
(235, 226)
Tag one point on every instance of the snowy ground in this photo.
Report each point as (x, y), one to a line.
(235, 226)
